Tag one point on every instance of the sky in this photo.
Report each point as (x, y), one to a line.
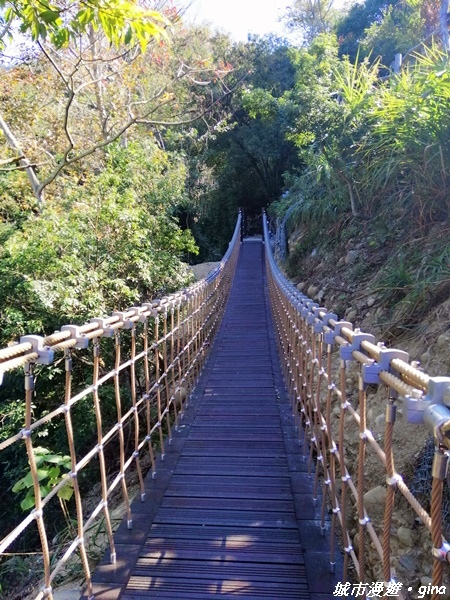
(239, 17)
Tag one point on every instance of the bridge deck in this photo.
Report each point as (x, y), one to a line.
(230, 513)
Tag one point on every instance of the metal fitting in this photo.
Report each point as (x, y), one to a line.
(437, 419)
(394, 480)
(124, 321)
(76, 334)
(417, 404)
(330, 336)
(442, 554)
(329, 317)
(440, 464)
(371, 373)
(148, 307)
(346, 352)
(391, 413)
(45, 354)
(101, 324)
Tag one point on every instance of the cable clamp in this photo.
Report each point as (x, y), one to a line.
(364, 521)
(371, 373)
(45, 354)
(75, 334)
(318, 322)
(336, 510)
(442, 554)
(346, 352)
(25, 433)
(394, 480)
(150, 307)
(125, 323)
(108, 331)
(346, 478)
(438, 393)
(348, 549)
(366, 435)
(330, 336)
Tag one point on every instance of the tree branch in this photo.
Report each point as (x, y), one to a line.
(24, 162)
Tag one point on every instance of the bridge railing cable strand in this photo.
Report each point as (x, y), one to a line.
(315, 349)
(140, 366)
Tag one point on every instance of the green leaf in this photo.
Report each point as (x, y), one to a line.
(54, 472)
(19, 485)
(27, 502)
(49, 16)
(128, 36)
(9, 14)
(66, 492)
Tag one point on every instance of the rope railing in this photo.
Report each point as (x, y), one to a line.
(142, 363)
(315, 349)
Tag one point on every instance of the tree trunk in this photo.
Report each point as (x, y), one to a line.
(444, 25)
(23, 161)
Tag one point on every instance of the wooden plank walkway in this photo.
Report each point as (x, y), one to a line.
(230, 514)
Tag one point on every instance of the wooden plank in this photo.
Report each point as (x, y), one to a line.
(227, 525)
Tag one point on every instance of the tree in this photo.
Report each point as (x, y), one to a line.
(310, 18)
(123, 22)
(89, 72)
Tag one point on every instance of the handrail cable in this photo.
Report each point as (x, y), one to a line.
(157, 352)
(308, 335)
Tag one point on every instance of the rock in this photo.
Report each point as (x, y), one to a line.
(352, 256)
(312, 291)
(371, 301)
(301, 286)
(426, 580)
(314, 252)
(425, 358)
(321, 295)
(376, 497)
(408, 562)
(351, 315)
(442, 342)
(341, 261)
(405, 536)
(380, 420)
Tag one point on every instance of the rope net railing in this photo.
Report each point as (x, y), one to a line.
(315, 349)
(133, 371)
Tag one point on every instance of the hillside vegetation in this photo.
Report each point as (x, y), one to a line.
(129, 140)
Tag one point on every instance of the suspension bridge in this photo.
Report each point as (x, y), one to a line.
(223, 398)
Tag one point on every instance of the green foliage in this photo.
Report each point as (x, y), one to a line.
(51, 470)
(122, 22)
(110, 243)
